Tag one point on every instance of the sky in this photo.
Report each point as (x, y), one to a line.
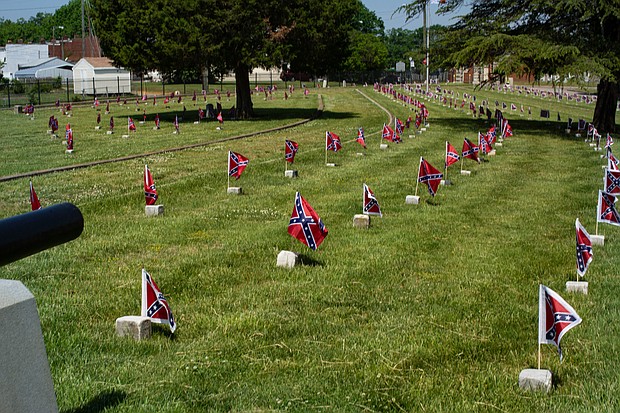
(13, 10)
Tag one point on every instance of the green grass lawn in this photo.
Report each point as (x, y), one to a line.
(434, 308)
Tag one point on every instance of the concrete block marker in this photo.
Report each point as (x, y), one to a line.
(535, 380)
(26, 382)
(109, 132)
(383, 146)
(290, 173)
(412, 200)
(97, 127)
(361, 221)
(465, 172)
(125, 136)
(155, 128)
(360, 154)
(577, 287)
(592, 145)
(499, 144)
(597, 239)
(598, 148)
(235, 190)
(154, 210)
(332, 165)
(136, 327)
(578, 135)
(69, 151)
(422, 129)
(445, 182)
(286, 259)
(491, 152)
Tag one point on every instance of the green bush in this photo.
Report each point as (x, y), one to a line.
(18, 87)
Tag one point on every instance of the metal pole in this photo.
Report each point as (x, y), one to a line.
(94, 90)
(39, 90)
(83, 32)
(8, 91)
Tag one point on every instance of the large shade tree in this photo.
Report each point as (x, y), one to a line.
(226, 35)
(561, 37)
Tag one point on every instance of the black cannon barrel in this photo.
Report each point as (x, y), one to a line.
(27, 234)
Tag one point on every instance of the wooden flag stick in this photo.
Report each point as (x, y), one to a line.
(228, 171)
(462, 159)
(417, 181)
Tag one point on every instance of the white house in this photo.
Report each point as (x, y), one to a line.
(18, 54)
(99, 76)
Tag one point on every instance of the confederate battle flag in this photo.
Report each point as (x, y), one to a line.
(150, 192)
(555, 317)
(236, 164)
(361, 139)
(290, 149)
(584, 248)
(612, 181)
(332, 142)
(305, 224)
(470, 150)
(370, 205)
(452, 155)
(154, 304)
(606, 210)
(430, 176)
(388, 133)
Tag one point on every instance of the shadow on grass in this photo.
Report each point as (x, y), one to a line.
(309, 261)
(101, 402)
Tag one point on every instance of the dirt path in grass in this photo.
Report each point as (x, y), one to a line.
(317, 114)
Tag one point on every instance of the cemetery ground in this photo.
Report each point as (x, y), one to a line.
(433, 308)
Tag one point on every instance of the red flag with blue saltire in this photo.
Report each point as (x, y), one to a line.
(609, 141)
(332, 142)
(388, 133)
(361, 138)
(236, 164)
(606, 209)
(612, 181)
(154, 304)
(555, 317)
(491, 135)
(429, 175)
(34, 200)
(150, 192)
(130, 125)
(370, 205)
(398, 125)
(584, 248)
(452, 155)
(69, 136)
(290, 149)
(484, 146)
(470, 150)
(305, 224)
(506, 128)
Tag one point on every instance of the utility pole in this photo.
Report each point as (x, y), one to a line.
(427, 39)
(83, 32)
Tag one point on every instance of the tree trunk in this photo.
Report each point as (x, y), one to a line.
(605, 110)
(245, 108)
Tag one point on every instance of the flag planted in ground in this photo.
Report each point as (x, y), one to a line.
(606, 209)
(236, 164)
(612, 161)
(452, 155)
(470, 150)
(154, 304)
(361, 138)
(370, 205)
(484, 146)
(34, 200)
(150, 192)
(429, 175)
(332, 142)
(555, 317)
(305, 224)
(584, 248)
(290, 149)
(387, 133)
(612, 181)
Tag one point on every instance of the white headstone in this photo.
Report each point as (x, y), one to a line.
(153, 210)
(597, 239)
(412, 199)
(465, 172)
(535, 379)
(286, 259)
(125, 136)
(361, 221)
(97, 127)
(330, 164)
(136, 327)
(290, 173)
(383, 146)
(25, 382)
(109, 132)
(236, 190)
(499, 144)
(577, 287)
